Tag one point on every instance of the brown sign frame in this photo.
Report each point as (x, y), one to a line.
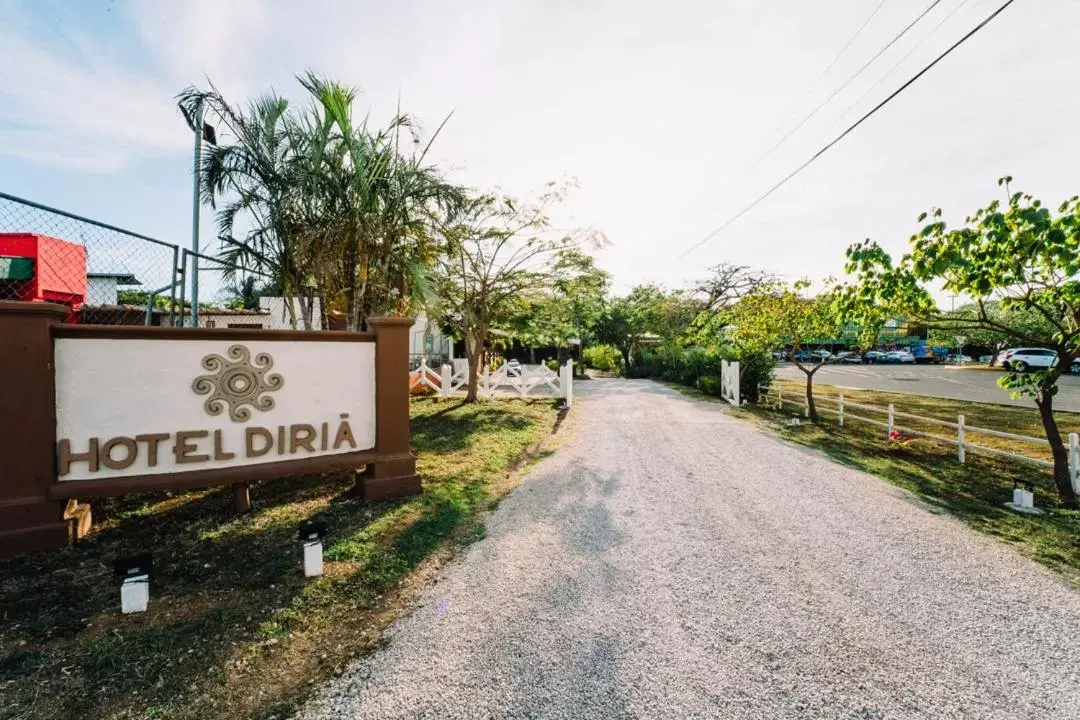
(37, 511)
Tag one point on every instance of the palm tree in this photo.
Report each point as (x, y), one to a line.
(377, 206)
(332, 203)
(254, 176)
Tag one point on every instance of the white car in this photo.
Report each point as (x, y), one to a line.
(898, 356)
(513, 368)
(1024, 359)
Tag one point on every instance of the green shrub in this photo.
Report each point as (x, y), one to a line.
(552, 364)
(709, 384)
(605, 358)
(700, 367)
(755, 370)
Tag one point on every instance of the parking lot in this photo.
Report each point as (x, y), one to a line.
(977, 384)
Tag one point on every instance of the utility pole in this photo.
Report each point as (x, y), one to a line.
(195, 221)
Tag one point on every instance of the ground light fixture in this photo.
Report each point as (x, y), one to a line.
(1023, 496)
(134, 572)
(311, 537)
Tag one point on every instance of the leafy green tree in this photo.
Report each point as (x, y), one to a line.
(648, 314)
(577, 296)
(777, 315)
(568, 310)
(613, 327)
(1019, 254)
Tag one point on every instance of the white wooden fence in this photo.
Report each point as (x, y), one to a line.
(840, 408)
(526, 381)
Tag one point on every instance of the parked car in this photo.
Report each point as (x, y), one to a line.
(872, 356)
(813, 356)
(848, 357)
(780, 355)
(1024, 359)
(898, 356)
(513, 367)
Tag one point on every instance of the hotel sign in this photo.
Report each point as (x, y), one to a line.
(138, 407)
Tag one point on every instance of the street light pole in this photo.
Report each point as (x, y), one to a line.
(195, 221)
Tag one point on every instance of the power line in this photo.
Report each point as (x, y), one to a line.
(816, 110)
(813, 86)
(901, 61)
(844, 134)
(845, 48)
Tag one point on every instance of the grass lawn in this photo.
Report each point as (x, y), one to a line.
(974, 492)
(234, 630)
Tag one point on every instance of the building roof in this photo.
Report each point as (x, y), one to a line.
(229, 311)
(121, 277)
(125, 307)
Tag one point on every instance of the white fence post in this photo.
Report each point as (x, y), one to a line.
(840, 409)
(735, 390)
(446, 381)
(1074, 461)
(567, 382)
(891, 420)
(960, 438)
(779, 398)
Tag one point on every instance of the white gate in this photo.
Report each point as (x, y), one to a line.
(729, 381)
(524, 381)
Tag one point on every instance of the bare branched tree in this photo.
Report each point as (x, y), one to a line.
(498, 252)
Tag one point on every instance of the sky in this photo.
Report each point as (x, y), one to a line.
(659, 111)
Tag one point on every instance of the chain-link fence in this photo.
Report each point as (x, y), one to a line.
(104, 274)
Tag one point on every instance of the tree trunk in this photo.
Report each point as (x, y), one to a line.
(473, 353)
(811, 408)
(1066, 495)
(352, 323)
(287, 295)
(306, 310)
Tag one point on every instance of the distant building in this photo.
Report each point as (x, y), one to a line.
(104, 288)
(278, 313)
(231, 318)
(426, 341)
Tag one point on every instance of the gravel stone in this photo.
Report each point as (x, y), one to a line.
(671, 561)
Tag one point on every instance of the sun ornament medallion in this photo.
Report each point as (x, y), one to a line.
(238, 383)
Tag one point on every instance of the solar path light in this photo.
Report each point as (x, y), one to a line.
(134, 572)
(1023, 497)
(311, 537)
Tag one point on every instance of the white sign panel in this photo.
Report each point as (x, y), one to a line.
(149, 407)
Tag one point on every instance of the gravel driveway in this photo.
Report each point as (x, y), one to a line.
(672, 562)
